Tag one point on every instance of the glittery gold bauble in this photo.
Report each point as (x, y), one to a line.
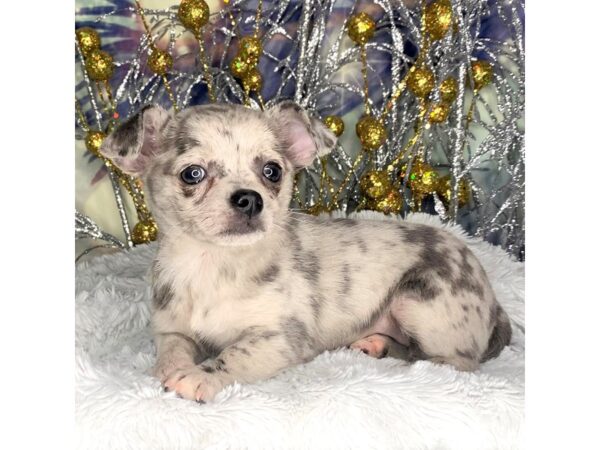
(252, 80)
(99, 65)
(444, 189)
(250, 48)
(439, 113)
(88, 40)
(482, 73)
(375, 184)
(421, 82)
(93, 141)
(144, 232)
(449, 90)
(361, 27)
(239, 67)
(391, 203)
(371, 132)
(160, 62)
(193, 14)
(335, 124)
(438, 18)
(422, 179)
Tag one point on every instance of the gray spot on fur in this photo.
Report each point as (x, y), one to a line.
(501, 334)
(268, 275)
(316, 303)
(297, 336)
(227, 273)
(346, 282)
(414, 281)
(466, 280)
(128, 135)
(162, 295)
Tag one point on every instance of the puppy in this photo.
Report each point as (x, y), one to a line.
(240, 279)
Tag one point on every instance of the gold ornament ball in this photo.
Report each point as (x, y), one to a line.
(335, 124)
(422, 179)
(375, 184)
(361, 28)
(421, 82)
(160, 62)
(88, 40)
(193, 14)
(93, 141)
(391, 203)
(438, 18)
(252, 80)
(371, 132)
(99, 65)
(239, 67)
(444, 189)
(144, 232)
(483, 73)
(250, 48)
(439, 113)
(449, 90)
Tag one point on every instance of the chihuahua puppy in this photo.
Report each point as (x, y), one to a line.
(244, 288)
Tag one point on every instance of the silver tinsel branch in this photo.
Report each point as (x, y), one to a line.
(307, 56)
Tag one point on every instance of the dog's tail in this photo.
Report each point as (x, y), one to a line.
(501, 335)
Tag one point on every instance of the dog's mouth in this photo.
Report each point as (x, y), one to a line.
(242, 228)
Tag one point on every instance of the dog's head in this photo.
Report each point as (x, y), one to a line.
(220, 173)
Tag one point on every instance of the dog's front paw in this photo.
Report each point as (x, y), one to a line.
(198, 383)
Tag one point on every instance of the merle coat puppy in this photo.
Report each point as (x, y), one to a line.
(244, 288)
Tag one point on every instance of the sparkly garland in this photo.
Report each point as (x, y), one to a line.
(388, 174)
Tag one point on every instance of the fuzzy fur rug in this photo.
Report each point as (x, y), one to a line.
(342, 399)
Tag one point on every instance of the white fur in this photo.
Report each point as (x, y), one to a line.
(342, 399)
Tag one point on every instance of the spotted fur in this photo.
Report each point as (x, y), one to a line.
(263, 293)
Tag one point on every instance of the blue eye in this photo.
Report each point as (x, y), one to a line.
(193, 174)
(272, 172)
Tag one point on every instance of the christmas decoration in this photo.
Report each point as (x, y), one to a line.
(448, 90)
(375, 184)
(421, 82)
(252, 80)
(193, 14)
(444, 189)
(371, 132)
(482, 74)
(93, 141)
(361, 28)
(438, 18)
(408, 76)
(144, 232)
(335, 124)
(160, 62)
(439, 113)
(391, 203)
(99, 65)
(88, 39)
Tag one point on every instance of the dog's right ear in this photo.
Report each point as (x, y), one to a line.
(133, 144)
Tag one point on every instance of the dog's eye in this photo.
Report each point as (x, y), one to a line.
(272, 172)
(193, 174)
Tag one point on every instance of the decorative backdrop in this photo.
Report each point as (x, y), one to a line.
(426, 96)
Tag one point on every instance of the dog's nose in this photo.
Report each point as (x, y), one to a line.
(247, 202)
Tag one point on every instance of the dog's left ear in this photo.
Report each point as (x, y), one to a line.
(303, 137)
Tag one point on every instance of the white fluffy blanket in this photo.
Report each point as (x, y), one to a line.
(342, 399)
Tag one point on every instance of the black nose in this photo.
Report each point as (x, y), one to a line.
(247, 202)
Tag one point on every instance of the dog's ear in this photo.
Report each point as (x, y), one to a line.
(303, 137)
(133, 144)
